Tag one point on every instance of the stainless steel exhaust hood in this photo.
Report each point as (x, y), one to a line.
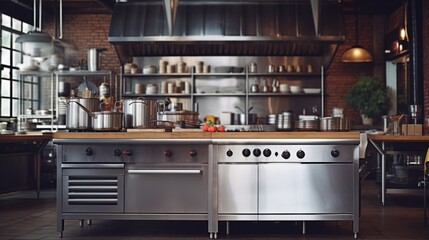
(228, 28)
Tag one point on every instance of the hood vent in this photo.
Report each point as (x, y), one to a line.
(265, 28)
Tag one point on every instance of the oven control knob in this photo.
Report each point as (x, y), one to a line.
(192, 153)
(335, 153)
(267, 152)
(168, 153)
(257, 152)
(300, 154)
(127, 152)
(286, 154)
(246, 152)
(229, 153)
(117, 152)
(89, 152)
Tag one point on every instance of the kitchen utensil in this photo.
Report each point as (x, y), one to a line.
(254, 88)
(295, 89)
(334, 124)
(77, 118)
(94, 62)
(103, 120)
(227, 118)
(311, 90)
(206, 69)
(135, 69)
(284, 88)
(175, 106)
(64, 89)
(149, 69)
(87, 85)
(253, 67)
(107, 121)
(178, 117)
(139, 88)
(151, 89)
(284, 121)
(271, 68)
(140, 112)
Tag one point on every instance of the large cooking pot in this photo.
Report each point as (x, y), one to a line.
(103, 120)
(107, 121)
(77, 118)
(139, 113)
(252, 119)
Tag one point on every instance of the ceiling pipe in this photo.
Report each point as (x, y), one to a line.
(170, 7)
(315, 7)
(416, 60)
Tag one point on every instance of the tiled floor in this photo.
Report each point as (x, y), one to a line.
(22, 216)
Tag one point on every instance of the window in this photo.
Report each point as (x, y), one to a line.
(11, 56)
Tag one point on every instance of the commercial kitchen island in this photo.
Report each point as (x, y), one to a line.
(213, 177)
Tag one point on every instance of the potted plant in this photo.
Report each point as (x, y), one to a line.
(369, 96)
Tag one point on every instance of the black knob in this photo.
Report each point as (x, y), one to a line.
(267, 152)
(257, 152)
(246, 152)
(168, 153)
(335, 153)
(229, 153)
(192, 153)
(286, 154)
(89, 152)
(300, 154)
(127, 152)
(117, 152)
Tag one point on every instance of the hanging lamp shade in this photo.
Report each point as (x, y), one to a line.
(356, 54)
(36, 44)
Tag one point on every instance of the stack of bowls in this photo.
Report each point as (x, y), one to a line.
(271, 119)
(284, 121)
(307, 125)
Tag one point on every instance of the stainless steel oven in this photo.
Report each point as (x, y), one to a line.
(143, 179)
(171, 189)
(287, 179)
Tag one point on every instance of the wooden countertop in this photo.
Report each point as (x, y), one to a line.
(398, 138)
(206, 135)
(25, 137)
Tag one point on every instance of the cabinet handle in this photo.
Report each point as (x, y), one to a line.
(167, 171)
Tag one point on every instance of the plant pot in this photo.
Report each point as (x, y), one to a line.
(367, 120)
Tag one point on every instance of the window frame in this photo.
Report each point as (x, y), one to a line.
(28, 92)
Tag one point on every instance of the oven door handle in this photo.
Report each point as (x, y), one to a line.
(93, 166)
(166, 171)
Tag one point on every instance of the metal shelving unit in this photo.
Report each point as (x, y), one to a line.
(128, 79)
(22, 115)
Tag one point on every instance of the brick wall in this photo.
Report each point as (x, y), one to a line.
(340, 76)
(88, 31)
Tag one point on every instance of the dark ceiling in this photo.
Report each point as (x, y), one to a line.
(22, 9)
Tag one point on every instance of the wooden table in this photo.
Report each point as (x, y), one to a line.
(384, 140)
(39, 141)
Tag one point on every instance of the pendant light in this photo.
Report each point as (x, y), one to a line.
(36, 43)
(356, 54)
